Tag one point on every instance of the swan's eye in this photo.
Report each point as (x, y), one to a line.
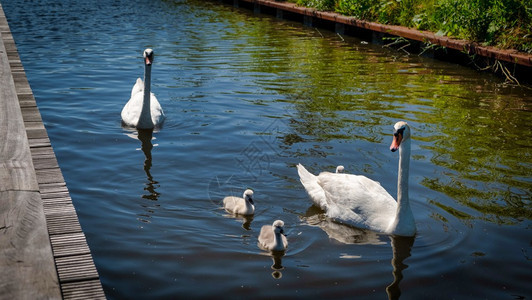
(399, 131)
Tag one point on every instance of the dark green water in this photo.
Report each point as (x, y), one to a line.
(247, 97)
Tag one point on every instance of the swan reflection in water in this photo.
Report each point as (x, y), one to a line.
(145, 136)
(401, 246)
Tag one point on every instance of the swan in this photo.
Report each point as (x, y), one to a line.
(272, 237)
(242, 206)
(143, 111)
(362, 202)
(339, 169)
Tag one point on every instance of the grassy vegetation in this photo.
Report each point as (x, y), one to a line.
(501, 23)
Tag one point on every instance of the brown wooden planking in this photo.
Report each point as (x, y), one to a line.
(70, 244)
(26, 261)
(76, 268)
(77, 274)
(82, 290)
(63, 223)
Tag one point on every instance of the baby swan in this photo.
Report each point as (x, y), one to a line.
(272, 237)
(242, 206)
(340, 169)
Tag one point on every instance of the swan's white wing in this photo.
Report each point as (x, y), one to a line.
(313, 188)
(157, 113)
(357, 200)
(138, 87)
(131, 111)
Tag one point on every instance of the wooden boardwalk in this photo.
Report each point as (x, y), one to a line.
(43, 251)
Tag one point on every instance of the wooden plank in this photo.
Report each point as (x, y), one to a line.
(63, 223)
(26, 261)
(69, 244)
(83, 290)
(49, 175)
(30, 200)
(53, 188)
(16, 168)
(76, 268)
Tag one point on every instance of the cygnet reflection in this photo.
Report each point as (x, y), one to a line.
(277, 258)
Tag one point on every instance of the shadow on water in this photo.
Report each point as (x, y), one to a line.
(401, 246)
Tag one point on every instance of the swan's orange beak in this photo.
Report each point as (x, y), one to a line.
(397, 138)
(147, 60)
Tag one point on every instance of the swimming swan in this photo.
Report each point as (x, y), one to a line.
(143, 111)
(242, 206)
(272, 237)
(362, 202)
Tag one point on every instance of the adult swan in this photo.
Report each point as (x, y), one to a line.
(362, 202)
(143, 111)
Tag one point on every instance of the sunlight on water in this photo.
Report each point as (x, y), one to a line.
(247, 97)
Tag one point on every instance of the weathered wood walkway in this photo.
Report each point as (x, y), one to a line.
(43, 251)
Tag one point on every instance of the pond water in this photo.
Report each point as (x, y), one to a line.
(247, 97)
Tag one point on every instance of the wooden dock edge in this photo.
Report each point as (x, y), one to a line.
(28, 275)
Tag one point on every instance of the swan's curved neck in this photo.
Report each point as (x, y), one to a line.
(404, 223)
(402, 179)
(145, 115)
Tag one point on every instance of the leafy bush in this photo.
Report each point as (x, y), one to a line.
(318, 4)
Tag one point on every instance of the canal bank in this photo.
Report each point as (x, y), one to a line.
(513, 65)
(44, 253)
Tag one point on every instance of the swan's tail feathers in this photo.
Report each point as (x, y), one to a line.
(312, 186)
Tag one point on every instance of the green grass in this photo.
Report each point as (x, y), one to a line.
(500, 23)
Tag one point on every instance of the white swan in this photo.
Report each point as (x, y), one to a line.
(143, 111)
(362, 202)
(339, 169)
(242, 206)
(272, 237)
